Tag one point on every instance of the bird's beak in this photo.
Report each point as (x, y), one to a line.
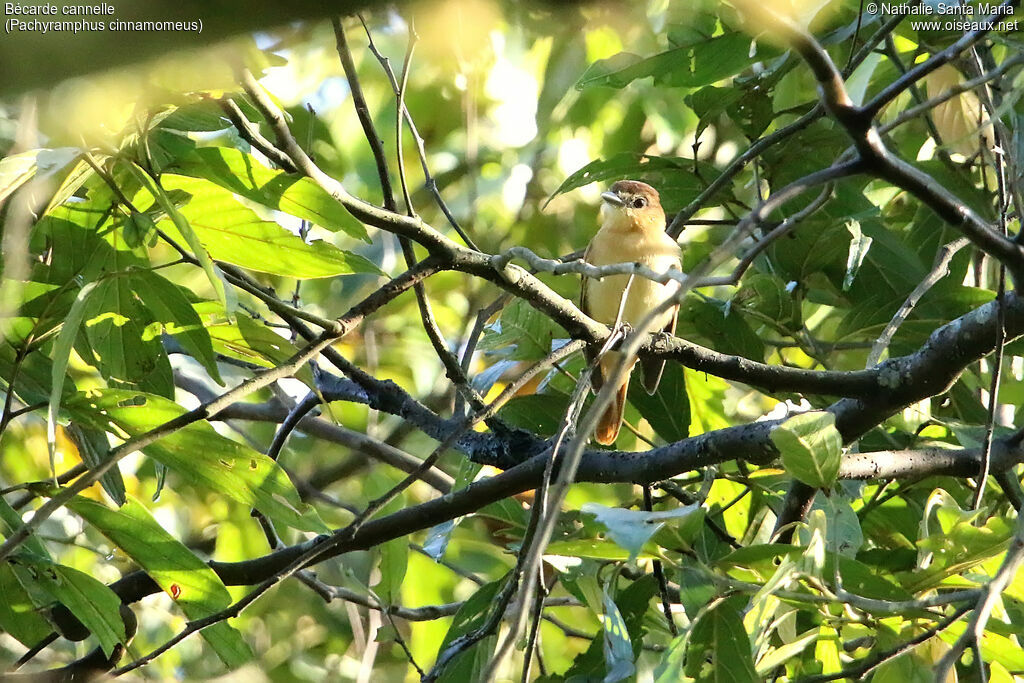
(612, 198)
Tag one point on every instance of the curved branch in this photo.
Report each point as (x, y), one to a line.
(595, 466)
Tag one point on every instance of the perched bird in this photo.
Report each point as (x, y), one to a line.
(633, 231)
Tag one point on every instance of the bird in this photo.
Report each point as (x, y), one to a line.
(633, 230)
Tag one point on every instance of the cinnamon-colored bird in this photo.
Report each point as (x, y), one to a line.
(633, 231)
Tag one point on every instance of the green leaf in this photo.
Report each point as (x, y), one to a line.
(243, 175)
(91, 601)
(509, 512)
(672, 661)
(618, 650)
(755, 554)
(470, 664)
(181, 225)
(632, 604)
(176, 317)
(710, 102)
(767, 295)
(18, 169)
(617, 71)
(93, 448)
(200, 454)
(204, 116)
(701, 63)
(394, 554)
(826, 650)
(859, 578)
(72, 182)
(598, 549)
(10, 521)
(139, 228)
(712, 59)
(193, 586)
(961, 185)
(844, 533)
(85, 244)
(811, 447)
(233, 233)
(522, 333)
(631, 529)
(958, 545)
(61, 355)
(677, 180)
(779, 655)
(859, 245)
(33, 383)
(116, 329)
(580, 579)
(909, 668)
(15, 171)
(719, 647)
(696, 589)
(249, 340)
(725, 330)
(18, 614)
(540, 413)
(994, 647)
(394, 561)
(668, 409)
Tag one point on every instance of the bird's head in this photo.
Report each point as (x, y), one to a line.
(635, 204)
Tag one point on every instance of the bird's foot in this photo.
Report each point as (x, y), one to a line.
(662, 337)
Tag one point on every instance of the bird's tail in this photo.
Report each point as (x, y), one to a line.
(608, 426)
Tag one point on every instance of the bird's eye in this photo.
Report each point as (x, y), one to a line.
(639, 203)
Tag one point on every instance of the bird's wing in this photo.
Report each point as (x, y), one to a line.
(652, 368)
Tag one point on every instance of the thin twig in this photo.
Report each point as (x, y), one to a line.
(451, 365)
(428, 178)
(939, 270)
(659, 571)
(251, 134)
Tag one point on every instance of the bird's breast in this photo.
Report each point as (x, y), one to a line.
(657, 251)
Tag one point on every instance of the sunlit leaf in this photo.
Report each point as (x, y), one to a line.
(233, 233)
(859, 245)
(200, 454)
(243, 175)
(61, 355)
(597, 549)
(811, 447)
(176, 317)
(193, 586)
(18, 169)
(181, 225)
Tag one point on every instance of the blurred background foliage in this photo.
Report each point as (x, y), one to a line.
(526, 112)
